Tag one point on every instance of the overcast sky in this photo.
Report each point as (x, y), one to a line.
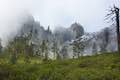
(89, 13)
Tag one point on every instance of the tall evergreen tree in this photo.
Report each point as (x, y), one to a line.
(78, 47)
(55, 49)
(0, 46)
(94, 48)
(105, 40)
(64, 52)
(44, 49)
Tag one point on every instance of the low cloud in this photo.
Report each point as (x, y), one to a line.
(53, 12)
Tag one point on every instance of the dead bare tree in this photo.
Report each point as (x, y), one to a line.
(114, 16)
(117, 26)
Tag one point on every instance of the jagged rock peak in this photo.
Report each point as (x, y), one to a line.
(77, 29)
(75, 26)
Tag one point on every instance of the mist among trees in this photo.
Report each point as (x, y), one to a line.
(37, 52)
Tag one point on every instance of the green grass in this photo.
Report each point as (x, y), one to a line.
(98, 67)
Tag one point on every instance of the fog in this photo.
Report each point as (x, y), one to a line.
(90, 13)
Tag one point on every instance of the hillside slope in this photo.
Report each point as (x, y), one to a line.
(98, 67)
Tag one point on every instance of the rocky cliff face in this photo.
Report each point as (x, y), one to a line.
(102, 41)
(38, 31)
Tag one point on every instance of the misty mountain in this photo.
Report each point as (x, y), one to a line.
(97, 42)
(68, 34)
(38, 31)
(61, 34)
(102, 41)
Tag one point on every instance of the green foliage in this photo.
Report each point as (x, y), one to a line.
(55, 49)
(64, 52)
(78, 47)
(44, 49)
(97, 67)
(20, 46)
(13, 59)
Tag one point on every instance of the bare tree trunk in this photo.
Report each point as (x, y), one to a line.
(117, 27)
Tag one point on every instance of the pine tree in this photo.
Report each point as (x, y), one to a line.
(28, 46)
(44, 49)
(94, 48)
(64, 52)
(0, 46)
(13, 49)
(105, 40)
(55, 49)
(78, 48)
